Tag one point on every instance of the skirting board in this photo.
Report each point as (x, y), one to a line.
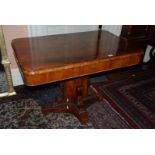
(16, 77)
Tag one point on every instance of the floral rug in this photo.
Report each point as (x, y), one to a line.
(124, 104)
(133, 98)
(23, 111)
(3, 83)
(26, 114)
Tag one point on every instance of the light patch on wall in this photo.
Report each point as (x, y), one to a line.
(17, 78)
(115, 29)
(147, 54)
(43, 30)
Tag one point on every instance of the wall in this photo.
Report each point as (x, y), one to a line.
(115, 29)
(42, 30)
(11, 32)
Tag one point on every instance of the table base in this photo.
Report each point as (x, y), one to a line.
(75, 99)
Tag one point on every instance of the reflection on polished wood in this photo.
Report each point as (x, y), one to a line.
(71, 58)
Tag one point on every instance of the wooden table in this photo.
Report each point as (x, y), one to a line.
(70, 59)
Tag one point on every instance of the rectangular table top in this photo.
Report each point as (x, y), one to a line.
(58, 57)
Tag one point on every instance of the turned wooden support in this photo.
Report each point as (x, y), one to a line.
(74, 88)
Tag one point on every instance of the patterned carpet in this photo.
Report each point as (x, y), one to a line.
(3, 83)
(26, 114)
(132, 98)
(124, 104)
(23, 111)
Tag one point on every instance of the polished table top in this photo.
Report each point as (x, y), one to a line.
(46, 54)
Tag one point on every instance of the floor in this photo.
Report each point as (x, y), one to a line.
(32, 97)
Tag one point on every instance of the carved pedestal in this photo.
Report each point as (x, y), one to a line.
(75, 99)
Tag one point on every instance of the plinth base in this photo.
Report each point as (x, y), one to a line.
(75, 99)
